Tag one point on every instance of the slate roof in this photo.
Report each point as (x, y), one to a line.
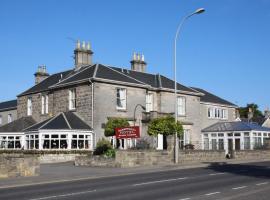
(235, 126)
(62, 121)
(99, 72)
(18, 125)
(45, 84)
(211, 98)
(8, 105)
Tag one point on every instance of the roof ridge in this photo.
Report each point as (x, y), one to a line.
(63, 114)
(50, 120)
(95, 72)
(76, 72)
(124, 74)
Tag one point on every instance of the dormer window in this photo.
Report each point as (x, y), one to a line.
(29, 106)
(72, 99)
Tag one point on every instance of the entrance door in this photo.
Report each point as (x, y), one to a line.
(237, 144)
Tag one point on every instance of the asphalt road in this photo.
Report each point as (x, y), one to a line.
(226, 182)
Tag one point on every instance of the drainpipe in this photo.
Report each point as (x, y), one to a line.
(92, 111)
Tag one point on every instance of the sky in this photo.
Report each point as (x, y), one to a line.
(225, 50)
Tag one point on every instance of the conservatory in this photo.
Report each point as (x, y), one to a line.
(235, 135)
(64, 131)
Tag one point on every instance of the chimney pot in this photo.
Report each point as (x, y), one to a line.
(83, 54)
(138, 63)
(78, 45)
(83, 45)
(41, 74)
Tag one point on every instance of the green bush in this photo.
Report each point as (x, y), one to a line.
(110, 153)
(114, 123)
(103, 146)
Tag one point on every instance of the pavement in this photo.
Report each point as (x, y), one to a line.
(215, 181)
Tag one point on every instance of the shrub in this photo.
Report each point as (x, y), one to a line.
(103, 146)
(110, 153)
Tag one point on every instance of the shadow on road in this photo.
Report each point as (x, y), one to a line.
(247, 169)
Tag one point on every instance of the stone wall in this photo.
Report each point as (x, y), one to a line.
(59, 158)
(252, 155)
(201, 156)
(136, 158)
(14, 165)
(95, 161)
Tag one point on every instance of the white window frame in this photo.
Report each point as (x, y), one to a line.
(44, 104)
(10, 118)
(149, 102)
(121, 97)
(72, 99)
(29, 106)
(217, 113)
(181, 106)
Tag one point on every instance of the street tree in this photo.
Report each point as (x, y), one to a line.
(113, 123)
(165, 126)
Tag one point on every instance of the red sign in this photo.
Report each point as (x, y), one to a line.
(127, 132)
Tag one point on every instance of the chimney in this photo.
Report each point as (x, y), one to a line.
(82, 54)
(138, 63)
(250, 114)
(267, 113)
(41, 74)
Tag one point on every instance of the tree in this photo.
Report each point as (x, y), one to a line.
(243, 111)
(114, 123)
(165, 126)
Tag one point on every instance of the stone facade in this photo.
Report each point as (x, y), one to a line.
(4, 116)
(58, 102)
(105, 105)
(205, 121)
(14, 165)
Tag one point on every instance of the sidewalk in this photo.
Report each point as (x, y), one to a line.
(61, 172)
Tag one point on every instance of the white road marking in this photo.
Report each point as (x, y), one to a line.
(214, 174)
(212, 193)
(160, 181)
(185, 199)
(64, 195)
(238, 188)
(264, 183)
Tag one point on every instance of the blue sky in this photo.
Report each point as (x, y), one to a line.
(225, 50)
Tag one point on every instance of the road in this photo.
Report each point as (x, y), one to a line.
(226, 182)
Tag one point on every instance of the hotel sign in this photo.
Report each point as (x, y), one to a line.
(127, 132)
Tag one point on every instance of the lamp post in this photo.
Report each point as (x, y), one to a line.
(179, 27)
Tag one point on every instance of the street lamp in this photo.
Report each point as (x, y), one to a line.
(179, 27)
